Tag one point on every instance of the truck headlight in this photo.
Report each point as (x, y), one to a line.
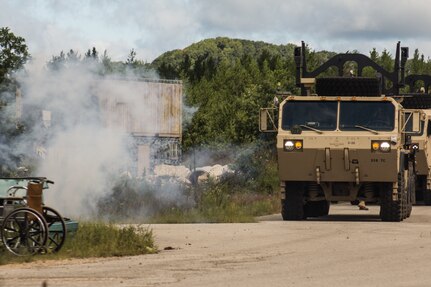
(289, 145)
(293, 145)
(298, 145)
(385, 147)
(381, 146)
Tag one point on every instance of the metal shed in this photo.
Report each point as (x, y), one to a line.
(150, 111)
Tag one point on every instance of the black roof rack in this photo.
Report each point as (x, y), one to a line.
(411, 81)
(367, 87)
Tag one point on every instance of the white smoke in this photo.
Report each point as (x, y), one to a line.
(75, 147)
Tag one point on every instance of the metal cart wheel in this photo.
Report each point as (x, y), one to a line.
(24, 232)
(56, 229)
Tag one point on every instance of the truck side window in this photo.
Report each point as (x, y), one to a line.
(429, 128)
(409, 122)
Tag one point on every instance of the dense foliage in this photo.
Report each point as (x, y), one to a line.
(101, 64)
(228, 80)
(13, 55)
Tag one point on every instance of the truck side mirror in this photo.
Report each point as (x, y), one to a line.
(267, 120)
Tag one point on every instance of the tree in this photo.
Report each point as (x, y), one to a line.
(417, 63)
(73, 56)
(57, 62)
(13, 53)
(106, 61)
(131, 59)
(13, 56)
(92, 54)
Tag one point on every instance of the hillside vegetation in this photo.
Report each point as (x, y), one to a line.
(228, 80)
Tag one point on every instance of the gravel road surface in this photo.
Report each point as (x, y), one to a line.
(347, 248)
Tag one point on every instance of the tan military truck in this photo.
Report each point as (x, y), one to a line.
(419, 97)
(345, 142)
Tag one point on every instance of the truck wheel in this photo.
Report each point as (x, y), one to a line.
(292, 207)
(392, 210)
(421, 185)
(404, 195)
(316, 208)
(427, 196)
(354, 202)
(411, 192)
(404, 200)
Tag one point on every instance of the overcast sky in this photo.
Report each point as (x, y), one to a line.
(152, 27)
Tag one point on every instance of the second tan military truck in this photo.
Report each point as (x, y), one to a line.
(419, 97)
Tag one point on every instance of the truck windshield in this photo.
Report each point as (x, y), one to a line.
(319, 115)
(378, 116)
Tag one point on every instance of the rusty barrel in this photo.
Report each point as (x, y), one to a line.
(34, 195)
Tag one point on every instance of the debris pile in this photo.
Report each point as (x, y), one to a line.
(185, 175)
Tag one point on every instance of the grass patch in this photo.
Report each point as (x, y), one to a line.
(104, 240)
(96, 240)
(218, 206)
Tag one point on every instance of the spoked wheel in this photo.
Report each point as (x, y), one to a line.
(24, 232)
(56, 229)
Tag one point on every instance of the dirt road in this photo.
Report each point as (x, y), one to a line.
(347, 248)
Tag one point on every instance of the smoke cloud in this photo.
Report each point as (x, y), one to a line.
(70, 139)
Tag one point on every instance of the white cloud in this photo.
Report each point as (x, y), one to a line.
(153, 27)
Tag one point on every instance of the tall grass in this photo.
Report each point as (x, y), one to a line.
(102, 240)
(95, 239)
(228, 209)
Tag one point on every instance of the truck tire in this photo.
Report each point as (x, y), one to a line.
(427, 196)
(354, 202)
(404, 205)
(411, 192)
(392, 210)
(404, 197)
(292, 207)
(316, 208)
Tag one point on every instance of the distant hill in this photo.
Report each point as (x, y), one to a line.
(207, 54)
